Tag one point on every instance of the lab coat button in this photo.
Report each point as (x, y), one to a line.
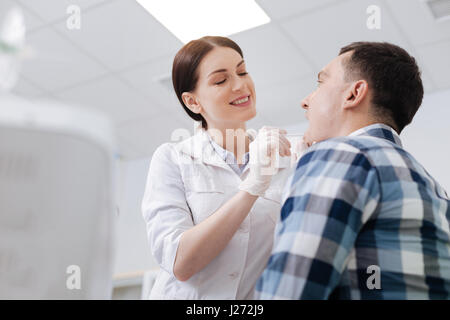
(233, 275)
(243, 227)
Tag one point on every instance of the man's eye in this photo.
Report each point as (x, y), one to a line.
(220, 82)
(243, 73)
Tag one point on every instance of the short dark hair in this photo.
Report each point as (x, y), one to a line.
(186, 62)
(394, 77)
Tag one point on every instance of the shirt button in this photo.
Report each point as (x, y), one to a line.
(233, 275)
(243, 229)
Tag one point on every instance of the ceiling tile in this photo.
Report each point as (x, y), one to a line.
(111, 96)
(52, 10)
(121, 34)
(56, 62)
(270, 57)
(25, 88)
(287, 8)
(428, 84)
(146, 79)
(436, 61)
(321, 34)
(417, 22)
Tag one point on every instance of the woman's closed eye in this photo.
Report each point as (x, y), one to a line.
(223, 81)
(220, 82)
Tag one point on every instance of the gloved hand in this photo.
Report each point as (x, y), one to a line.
(265, 149)
(299, 147)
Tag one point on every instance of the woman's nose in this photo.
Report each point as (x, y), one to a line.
(238, 84)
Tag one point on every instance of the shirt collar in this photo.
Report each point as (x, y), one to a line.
(200, 147)
(226, 155)
(379, 130)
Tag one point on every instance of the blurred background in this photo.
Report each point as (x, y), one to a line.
(118, 62)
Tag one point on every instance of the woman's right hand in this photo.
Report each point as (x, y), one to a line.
(265, 149)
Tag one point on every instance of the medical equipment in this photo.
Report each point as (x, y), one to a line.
(57, 201)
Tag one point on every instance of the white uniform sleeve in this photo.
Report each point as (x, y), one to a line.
(164, 207)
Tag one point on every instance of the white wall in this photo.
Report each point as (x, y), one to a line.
(132, 253)
(427, 138)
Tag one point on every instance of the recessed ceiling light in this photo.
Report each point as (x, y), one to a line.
(189, 20)
(440, 9)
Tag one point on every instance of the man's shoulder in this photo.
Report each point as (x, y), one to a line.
(334, 147)
(362, 150)
(362, 144)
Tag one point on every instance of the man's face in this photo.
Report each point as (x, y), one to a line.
(324, 105)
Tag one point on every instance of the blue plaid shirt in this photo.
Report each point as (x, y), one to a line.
(361, 219)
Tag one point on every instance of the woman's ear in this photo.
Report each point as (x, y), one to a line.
(191, 102)
(356, 94)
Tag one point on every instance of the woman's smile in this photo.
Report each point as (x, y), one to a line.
(243, 101)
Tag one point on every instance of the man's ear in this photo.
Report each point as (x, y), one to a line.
(356, 94)
(191, 102)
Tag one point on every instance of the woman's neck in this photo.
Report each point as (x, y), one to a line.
(233, 139)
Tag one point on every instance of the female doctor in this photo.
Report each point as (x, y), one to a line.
(210, 210)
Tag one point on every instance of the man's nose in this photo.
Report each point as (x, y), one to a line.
(305, 103)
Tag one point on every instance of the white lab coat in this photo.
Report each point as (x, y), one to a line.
(187, 182)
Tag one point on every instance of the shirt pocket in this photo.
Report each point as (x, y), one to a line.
(205, 193)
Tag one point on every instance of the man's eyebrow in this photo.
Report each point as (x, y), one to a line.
(223, 70)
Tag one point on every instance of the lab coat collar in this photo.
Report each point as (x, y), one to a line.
(199, 147)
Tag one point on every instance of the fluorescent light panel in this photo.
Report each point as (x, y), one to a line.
(193, 19)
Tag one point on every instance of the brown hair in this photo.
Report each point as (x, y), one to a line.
(392, 74)
(186, 62)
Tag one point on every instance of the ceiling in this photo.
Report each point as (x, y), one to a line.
(113, 62)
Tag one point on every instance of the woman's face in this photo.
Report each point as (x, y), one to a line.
(225, 92)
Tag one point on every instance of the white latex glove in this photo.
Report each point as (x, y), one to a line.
(265, 149)
(298, 149)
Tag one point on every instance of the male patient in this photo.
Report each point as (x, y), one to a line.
(361, 219)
